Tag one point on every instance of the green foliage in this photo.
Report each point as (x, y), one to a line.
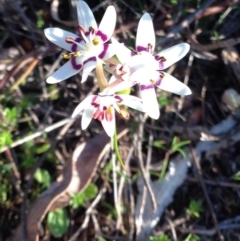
(125, 92)
(40, 21)
(192, 237)
(5, 138)
(236, 176)
(58, 222)
(194, 209)
(101, 239)
(81, 198)
(113, 211)
(164, 100)
(159, 144)
(162, 237)
(43, 177)
(10, 115)
(177, 146)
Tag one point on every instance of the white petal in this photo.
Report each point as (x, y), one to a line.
(149, 99)
(87, 117)
(171, 84)
(62, 73)
(119, 85)
(109, 126)
(85, 16)
(58, 36)
(88, 66)
(145, 33)
(133, 102)
(174, 54)
(107, 25)
(108, 51)
(85, 104)
(122, 52)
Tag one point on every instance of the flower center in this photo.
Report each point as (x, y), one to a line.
(95, 41)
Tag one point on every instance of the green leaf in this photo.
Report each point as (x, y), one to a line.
(90, 192)
(159, 144)
(43, 148)
(58, 222)
(194, 209)
(236, 176)
(124, 92)
(192, 237)
(162, 237)
(43, 177)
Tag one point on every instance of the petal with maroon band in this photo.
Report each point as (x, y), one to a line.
(66, 71)
(58, 37)
(172, 55)
(145, 39)
(149, 99)
(107, 25)
(85, 16)
(88, 66)
(168, 83)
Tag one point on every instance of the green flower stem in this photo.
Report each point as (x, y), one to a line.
(115, 142)
(165, 165)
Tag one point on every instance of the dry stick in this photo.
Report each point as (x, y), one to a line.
(88, 212)
(36, 134)
(141, 165)
(186, 22)
(199, 175)
(30, 181)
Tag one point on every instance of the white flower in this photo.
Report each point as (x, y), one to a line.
(86, 48)
(146, 68)
(102, 107)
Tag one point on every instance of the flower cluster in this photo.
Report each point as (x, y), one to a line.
(89, 49)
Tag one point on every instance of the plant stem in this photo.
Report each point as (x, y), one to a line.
(115, 142)
(102, 82)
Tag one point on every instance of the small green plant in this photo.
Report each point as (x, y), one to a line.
(192, 237)
(176, 146)
(58, 222)
(43, 177)
(194, 209)
(164, 100)
(162, 237)
(81, 198)
(236, 176)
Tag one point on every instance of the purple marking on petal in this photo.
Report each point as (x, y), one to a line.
(75, 65)
(74, 46)
(133, 53)
(102, 54)
(161, 65)
(157, 57)
(118, 98)
(102, 35)
(146, 87)
(90, 59)
(141, 48)
(158, 82)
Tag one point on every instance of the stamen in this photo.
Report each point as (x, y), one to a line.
(81, 29)
(124, 113)
(95, 41)
(66, 56)
(77, 54)
(92, 30)
(152, 81)
(70, 39)
(109, 114)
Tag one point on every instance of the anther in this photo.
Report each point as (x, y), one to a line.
(77, 54)
(70, 39)
(66, 56)
(124, 113)
(95, 41)
(81, 29)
